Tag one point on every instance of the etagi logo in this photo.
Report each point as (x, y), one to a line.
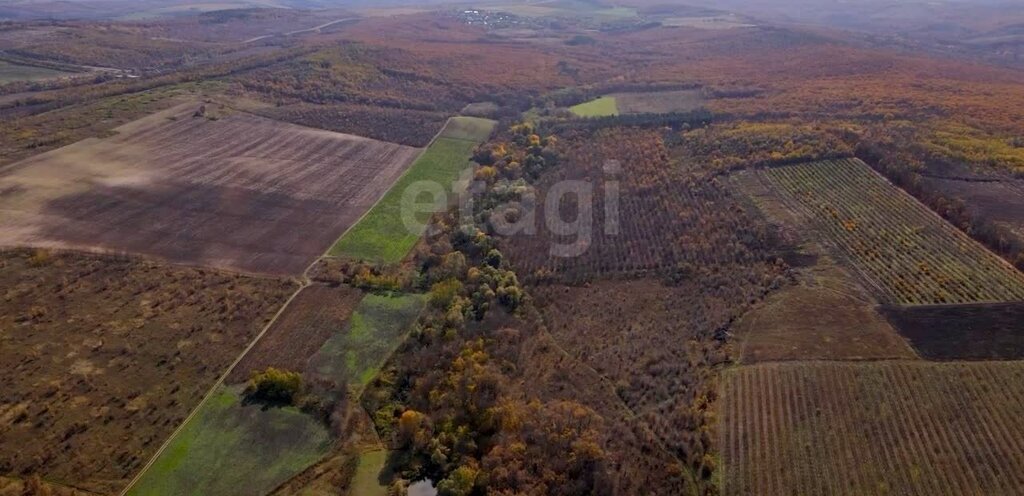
(518, 216)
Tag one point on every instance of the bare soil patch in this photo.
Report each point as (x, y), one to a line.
(105, 356)
(223, 189)
(978, 332)
(659, 102)
(996, 199)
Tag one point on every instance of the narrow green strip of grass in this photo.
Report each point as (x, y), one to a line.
(601, 107)
(365, 482)
(382, 235)
(377, 326)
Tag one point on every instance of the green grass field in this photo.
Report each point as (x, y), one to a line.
(376, 328)
(585, 9)
(601, 107)
(16, 72)
(382, 235)
(233, 449)
(365, 482)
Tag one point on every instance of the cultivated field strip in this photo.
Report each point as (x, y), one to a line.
(842, 428)
(908, 252)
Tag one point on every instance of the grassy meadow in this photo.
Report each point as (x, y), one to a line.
(16, 72)
(601, 107)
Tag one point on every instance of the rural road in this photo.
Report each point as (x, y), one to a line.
(307, 30)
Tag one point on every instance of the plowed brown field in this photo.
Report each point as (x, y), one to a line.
(225, 189)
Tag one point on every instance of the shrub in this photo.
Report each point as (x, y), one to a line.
(274, 386)
(494, 258)
(409, 426)
(39, 258)
(443, 293)
(366, 278)
(510, 296)
(486, 173)
(459, 483)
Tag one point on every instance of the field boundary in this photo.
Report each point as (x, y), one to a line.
(144, 257)
(954, 306)
(304, 282)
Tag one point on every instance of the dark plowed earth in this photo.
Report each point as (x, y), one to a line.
(973, 332)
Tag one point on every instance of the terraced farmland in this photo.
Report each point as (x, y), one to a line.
(908, 253)
(843, 428)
